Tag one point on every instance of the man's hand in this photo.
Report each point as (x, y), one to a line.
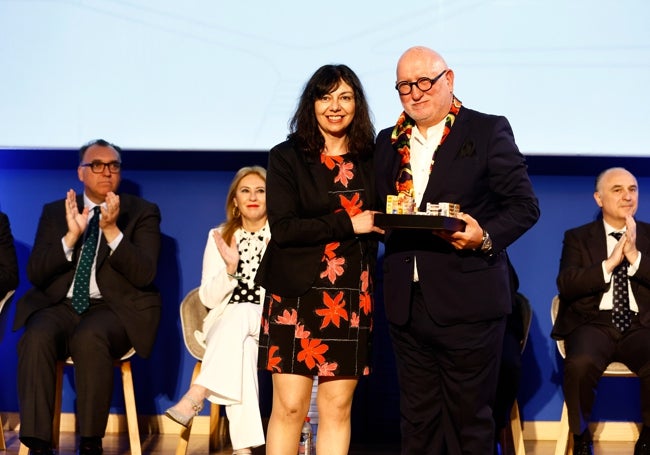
(617, 255)
(76, 221)
(469, 239)
(629, 248)
(108, 221)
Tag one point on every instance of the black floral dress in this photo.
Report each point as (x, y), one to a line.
(327, 331)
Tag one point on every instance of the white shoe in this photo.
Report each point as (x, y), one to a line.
(184, 419)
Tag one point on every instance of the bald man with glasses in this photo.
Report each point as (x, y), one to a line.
(446, 293)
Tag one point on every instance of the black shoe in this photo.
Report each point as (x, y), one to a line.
(90, 450)
(38, 446)
(583, 448)
(43, 451)
(642, 448)
(90, 446)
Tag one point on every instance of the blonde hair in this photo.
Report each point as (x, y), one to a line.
(233, 215)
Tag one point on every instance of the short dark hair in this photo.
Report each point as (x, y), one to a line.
(101, 143)
(304, 126)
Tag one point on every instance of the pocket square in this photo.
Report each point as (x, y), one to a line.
(467, 149)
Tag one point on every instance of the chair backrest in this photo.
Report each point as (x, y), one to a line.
(192, 314)
(6, 298)
(526, 317)
(613, 369)
(555, 307)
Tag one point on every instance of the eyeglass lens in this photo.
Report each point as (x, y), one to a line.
(98, 166)
(424, 84)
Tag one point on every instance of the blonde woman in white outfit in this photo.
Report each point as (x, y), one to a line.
(231, 328)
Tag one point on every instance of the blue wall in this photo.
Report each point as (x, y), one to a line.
(189, 187)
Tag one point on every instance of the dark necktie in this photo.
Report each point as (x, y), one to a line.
(621, 313)
(81, 289)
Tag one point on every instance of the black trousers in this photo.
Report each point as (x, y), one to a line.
(509, 376)
(589, 349)
(447, 377)
(93, 340)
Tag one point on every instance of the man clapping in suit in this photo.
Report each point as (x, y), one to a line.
(604, 313)
(92, 266)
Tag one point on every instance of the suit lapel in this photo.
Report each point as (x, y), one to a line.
(319, 178)
(444, 159)
(122, 222)
(641, 238)
(77, 248)
(364, 170)
(102, 252)
(597, 242)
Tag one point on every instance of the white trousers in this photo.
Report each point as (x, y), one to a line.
(229, 371)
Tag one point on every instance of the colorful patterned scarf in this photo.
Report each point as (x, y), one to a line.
(401, 140)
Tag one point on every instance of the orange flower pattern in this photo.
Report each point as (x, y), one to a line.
(312, 352)
(327, 331)
(352, 206)
(273, 361)
(335, 310)
(333, 269)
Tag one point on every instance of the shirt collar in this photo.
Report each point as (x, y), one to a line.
(609, 229)
(433, 132)
(90, 204)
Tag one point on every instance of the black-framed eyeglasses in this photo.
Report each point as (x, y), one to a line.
(97, 167)
(424, 84)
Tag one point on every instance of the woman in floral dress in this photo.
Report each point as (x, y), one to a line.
(318, 266)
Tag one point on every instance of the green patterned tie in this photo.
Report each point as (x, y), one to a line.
(81, 289)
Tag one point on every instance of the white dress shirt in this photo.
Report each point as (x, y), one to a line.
(94, 289)
(422, 158)
(607, 302)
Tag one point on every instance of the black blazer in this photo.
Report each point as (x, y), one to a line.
(580, 280)
(301, 221)
(125, 277)
(8, 259)
(479, 167)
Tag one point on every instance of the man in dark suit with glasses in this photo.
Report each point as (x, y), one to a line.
(92, 269)
(446, 293)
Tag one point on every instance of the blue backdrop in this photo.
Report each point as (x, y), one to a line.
(189, 188)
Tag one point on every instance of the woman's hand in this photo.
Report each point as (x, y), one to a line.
(364, 222)
(229, 253)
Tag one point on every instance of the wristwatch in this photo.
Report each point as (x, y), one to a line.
(486, 243)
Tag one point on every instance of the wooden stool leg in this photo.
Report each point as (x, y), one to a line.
(564, 435)
(3, 444)
(216, 436)
(184, 440)
(517, 431)
(131, 411)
